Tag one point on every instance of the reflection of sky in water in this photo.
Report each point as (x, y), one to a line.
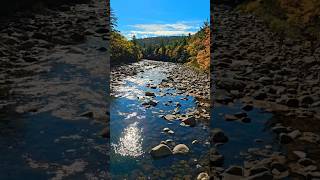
(129, 88)
(130, 142)
(128, 92)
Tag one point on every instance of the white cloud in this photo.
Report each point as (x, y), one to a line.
(176, 29)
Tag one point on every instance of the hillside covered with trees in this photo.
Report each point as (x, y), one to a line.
(193, 49)
(122, 50)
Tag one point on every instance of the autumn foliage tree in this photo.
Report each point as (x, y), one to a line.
(122, 50)
(193, 49)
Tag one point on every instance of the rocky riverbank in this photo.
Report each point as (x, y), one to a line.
(33, 46)
(185, 79)
(251, 66)
(53, 75)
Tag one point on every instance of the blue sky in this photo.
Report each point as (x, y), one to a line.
(149, 18)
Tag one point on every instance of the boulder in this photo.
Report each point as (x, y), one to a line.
(180, 149)
(160, 150)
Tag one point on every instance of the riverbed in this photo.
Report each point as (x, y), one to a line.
(136, 128)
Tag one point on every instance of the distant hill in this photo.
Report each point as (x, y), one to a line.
(157, 41)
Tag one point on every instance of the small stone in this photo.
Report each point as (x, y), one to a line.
(203, 176)
(229, 117)
(149, 94)
(300, 154)
(247, 107)
(195, 142)
(169, 117)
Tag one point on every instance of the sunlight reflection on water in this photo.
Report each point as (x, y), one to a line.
(128, 92)
(130, 141)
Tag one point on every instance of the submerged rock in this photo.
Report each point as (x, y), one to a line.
(216, 159)
(218, 136)
(150, 103)
(105, 133)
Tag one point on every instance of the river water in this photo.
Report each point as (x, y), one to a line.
(255, 135)
(135, 129)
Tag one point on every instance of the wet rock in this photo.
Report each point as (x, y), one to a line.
(240, 115)
(216, 159)
(218, 136)
(261, 176)
(229, 117)
(310, 137)
(279, 170)
(149, 94)
(233, 172)
(306, 162)
(245, 120)
(295, 134)
(279, 129)
(105, 133)
(169, 117)
(300, 154)
(169, 141)
(150, 103)
(203, 176)
(306, 101)
(257, 170)
(190, 121)
(161, 150)
(167, 130)
(88, 114)
(285, 138)
(181, 149)
(247, 107)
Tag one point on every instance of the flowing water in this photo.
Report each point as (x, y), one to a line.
(135, 129)
(243, 136)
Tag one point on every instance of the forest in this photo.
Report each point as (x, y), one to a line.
(193, 50)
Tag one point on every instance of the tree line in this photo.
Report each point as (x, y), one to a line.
(121, 49)
(193, 49)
